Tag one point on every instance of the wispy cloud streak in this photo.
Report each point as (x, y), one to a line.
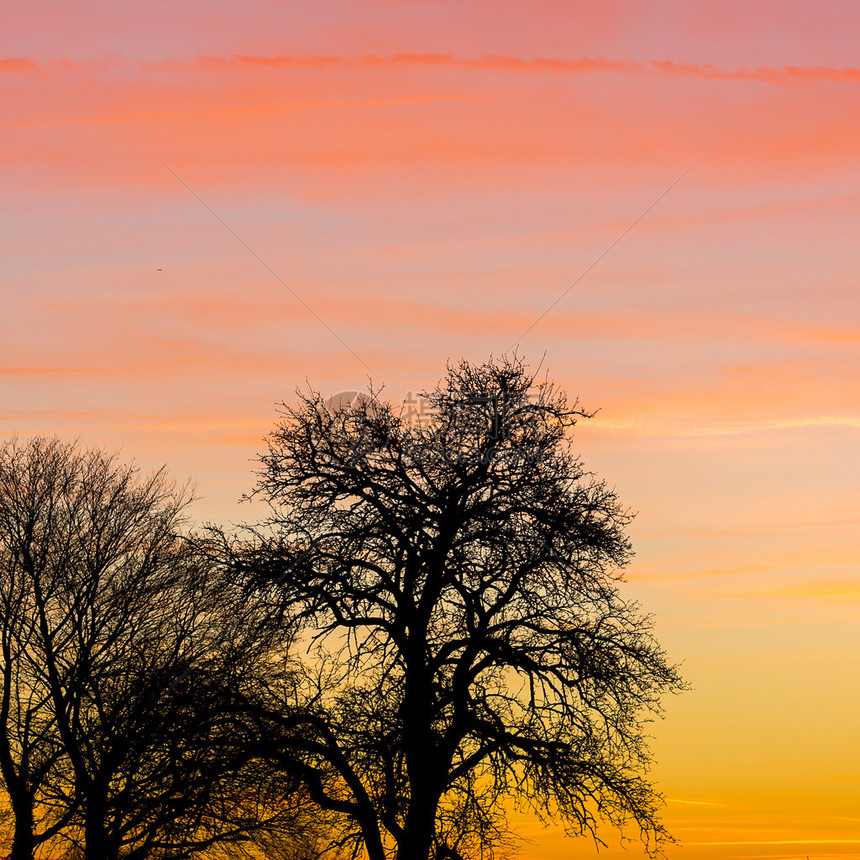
(785, 76)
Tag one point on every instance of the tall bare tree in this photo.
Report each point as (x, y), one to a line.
(458, 585)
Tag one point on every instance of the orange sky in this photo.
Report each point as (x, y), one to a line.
(429, 177)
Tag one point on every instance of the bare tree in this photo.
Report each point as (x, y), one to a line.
(31, 751)
(118, 661)
(458, 588)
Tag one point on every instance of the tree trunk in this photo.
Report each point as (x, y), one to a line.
(416, 842)
(96, 844)
(422, 765)
(419, 828)
(24, 840)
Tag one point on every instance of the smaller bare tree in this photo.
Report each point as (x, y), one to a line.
(120, 654)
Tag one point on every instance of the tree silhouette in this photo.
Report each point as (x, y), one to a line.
(117, 656)
(457, 585)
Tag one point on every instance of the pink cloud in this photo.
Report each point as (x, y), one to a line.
(788, 75)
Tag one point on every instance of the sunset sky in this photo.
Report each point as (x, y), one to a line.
(207, 204)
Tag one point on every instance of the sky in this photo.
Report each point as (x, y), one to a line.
(208, 204)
